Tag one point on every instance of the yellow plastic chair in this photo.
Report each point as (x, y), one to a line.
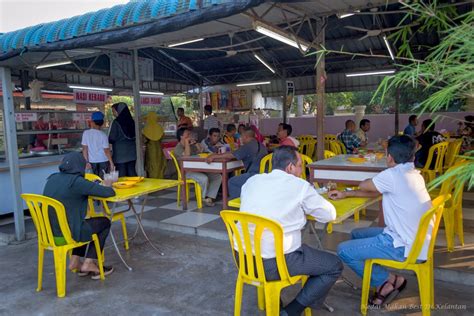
(307, 148)
(39, 206)
(424, 270)
(197, 187)
(328, 154)
(266, 164)
(454, 147)
(327, 139)
(249, 262)
(337, 147)
(440, 151)
(119, 216)
(453, 215)
(305, 138)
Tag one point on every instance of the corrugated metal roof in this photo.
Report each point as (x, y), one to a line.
(121, 16)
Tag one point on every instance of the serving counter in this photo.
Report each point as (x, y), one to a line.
(33, 171)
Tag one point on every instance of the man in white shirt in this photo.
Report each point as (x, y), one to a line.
(95, 147)
(210, 121)
(283, 197)
(405, 200)
(364, 127)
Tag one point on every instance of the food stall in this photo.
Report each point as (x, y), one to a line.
(45, 132)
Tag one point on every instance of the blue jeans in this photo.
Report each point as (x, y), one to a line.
(369, 243)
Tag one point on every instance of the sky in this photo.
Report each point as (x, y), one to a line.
(18, 14)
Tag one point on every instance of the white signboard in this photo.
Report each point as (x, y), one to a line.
(89, 97)
(121, 67)
(150, 100)
(26, 117)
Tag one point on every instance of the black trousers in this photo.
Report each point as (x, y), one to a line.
(99, 167)
(126, 169)
(99, 226)
(322, 267)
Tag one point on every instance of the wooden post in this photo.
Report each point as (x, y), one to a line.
(12, 151)
(320, 88)
(138, 109)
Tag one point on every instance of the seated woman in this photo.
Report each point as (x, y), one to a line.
(70, 188)
(209, 182)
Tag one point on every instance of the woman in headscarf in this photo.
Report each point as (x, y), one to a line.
(71, 189)
(122, 138)
(154, 157)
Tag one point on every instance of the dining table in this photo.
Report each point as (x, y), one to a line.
(344, 170)
(219, 165)
(140, 189)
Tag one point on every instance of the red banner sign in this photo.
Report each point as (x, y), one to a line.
(150, 100)
(89, 97)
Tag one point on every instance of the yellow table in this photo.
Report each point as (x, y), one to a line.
(345, 208)
(142, 188)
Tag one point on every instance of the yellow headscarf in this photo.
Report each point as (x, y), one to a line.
(152, 130)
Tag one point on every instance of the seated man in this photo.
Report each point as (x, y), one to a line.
(364, 127)
(349, 138)
(69, 187)
(405, 200)
(212, 143)
(209, 182)
(284, 136)
(229, 136)
(428, 137)
(285, 198)
(250, 152)
(411, 127)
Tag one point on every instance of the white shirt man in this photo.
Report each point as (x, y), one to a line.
(405, 200)
(283, 197)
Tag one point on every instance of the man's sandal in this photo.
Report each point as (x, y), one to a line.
(389, 297)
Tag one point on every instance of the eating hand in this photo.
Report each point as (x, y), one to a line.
(336, 194)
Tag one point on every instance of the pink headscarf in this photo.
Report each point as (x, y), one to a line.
(259, 137)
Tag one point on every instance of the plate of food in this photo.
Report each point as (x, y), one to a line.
(124, 184)
(132, 179)
(356, 159)
(203, 155)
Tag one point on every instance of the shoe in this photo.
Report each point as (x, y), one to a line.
(96, 275)
(209, 202)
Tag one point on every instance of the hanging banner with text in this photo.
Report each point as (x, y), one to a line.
(146, 100)
(89, 97)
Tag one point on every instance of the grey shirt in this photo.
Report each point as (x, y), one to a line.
(179, 150)
(124, 148)
(251, 154)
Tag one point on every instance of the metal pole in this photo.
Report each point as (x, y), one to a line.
(137, 105)
(397, 111)
(12, 151)
(285, 106)
(320, 89)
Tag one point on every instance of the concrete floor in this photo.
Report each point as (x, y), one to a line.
(195, 277)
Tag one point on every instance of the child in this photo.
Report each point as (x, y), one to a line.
(229, 136)
(95, 147)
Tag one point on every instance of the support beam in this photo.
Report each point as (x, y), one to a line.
(320, 88)
(284, 106)
(137, 110)
(12, 151)
(397, 111)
